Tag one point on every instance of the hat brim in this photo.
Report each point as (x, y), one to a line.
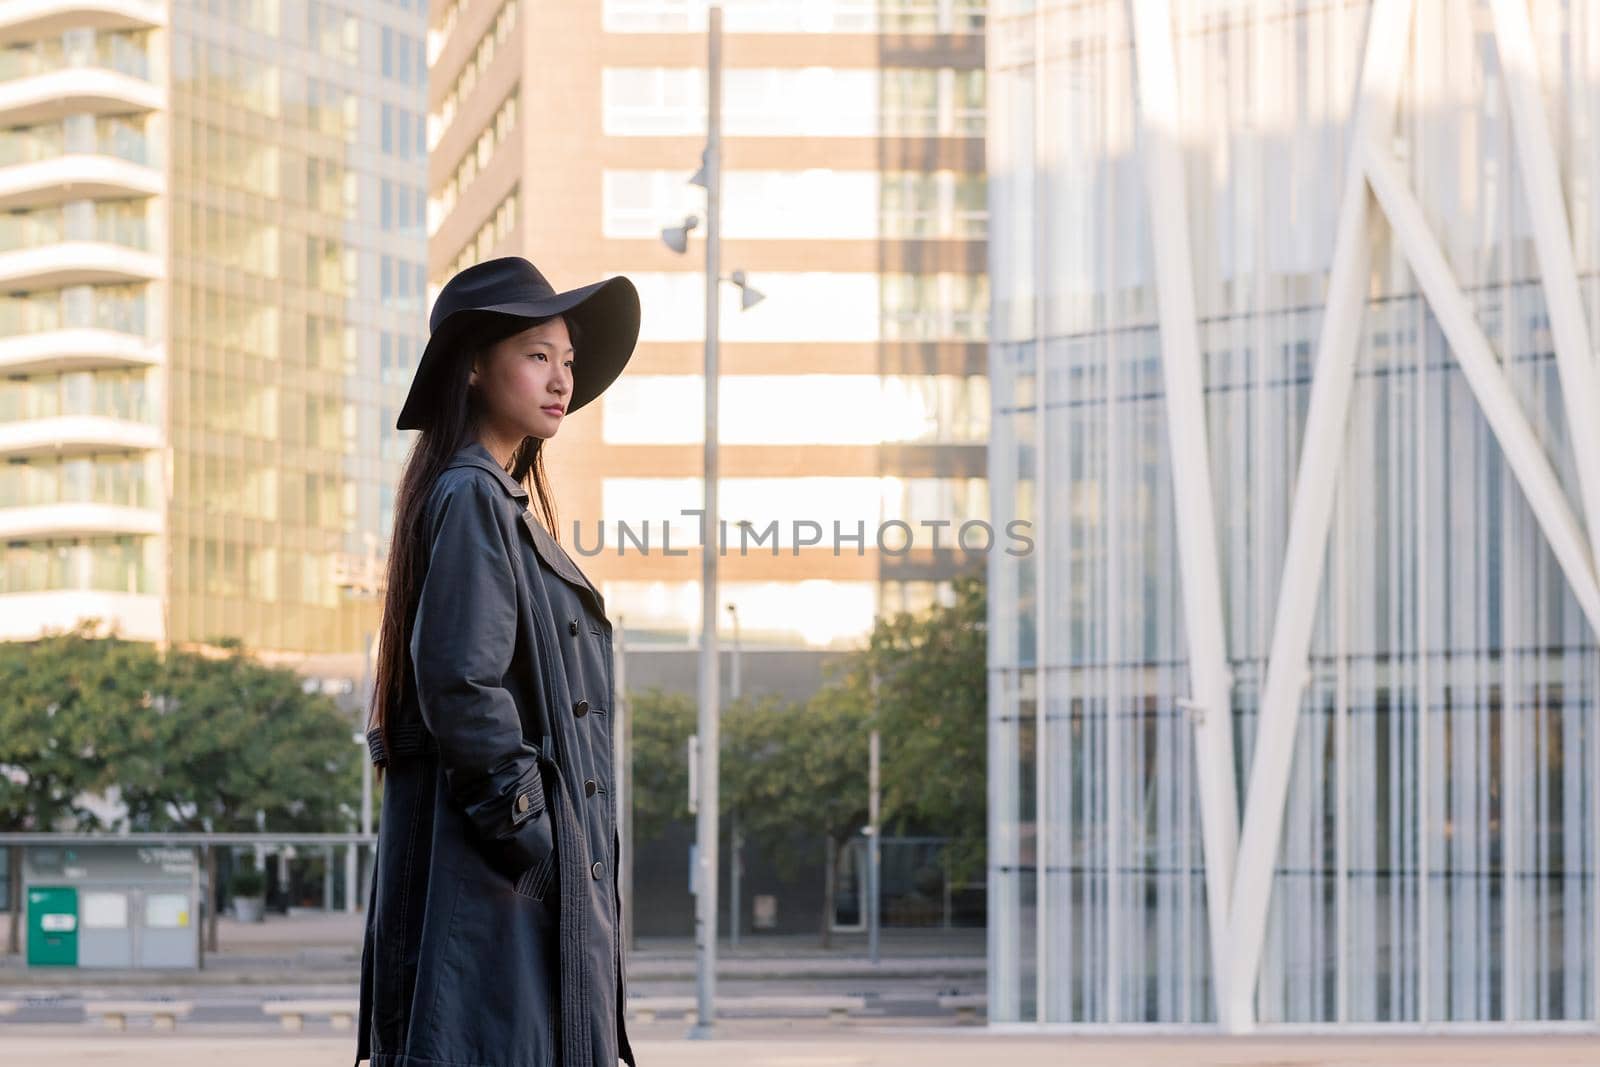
(607, 315)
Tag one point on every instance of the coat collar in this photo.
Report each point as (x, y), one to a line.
(473, 454)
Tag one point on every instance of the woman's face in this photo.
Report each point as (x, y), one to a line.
(525, 381)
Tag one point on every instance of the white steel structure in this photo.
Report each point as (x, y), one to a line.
(1294, 372)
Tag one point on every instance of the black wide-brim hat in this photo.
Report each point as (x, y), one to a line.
(606, 313)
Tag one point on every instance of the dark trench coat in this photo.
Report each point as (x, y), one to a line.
(493, 927)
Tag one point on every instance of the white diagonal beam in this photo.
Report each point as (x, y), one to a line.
(1488, 382)
(1536, 159)
(1161, 149)
(1304, 555)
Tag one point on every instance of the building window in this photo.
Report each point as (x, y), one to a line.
(494, 38)
(501, 223)
(332, 32)
(116, 478)
(942, 306)
(479, 154)
(818, 204)
(796, 102)
(673, 302)
(780, 409)
(928, 102)
(401, 132)
(937, 204)
(115, 393)
(789, 16)
(861, 306)
(106, 564)
(805, 614)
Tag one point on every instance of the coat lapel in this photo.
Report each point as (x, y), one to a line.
(475, 455)
(558, 561)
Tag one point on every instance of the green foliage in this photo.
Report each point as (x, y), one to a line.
(660, 725)
(932, 702)
(189, 741)
(795, 771)
(63, 697)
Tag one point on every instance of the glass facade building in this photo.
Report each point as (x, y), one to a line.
(213, 266)
(1439, 844)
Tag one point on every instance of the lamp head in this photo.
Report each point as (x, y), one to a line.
(677, 237)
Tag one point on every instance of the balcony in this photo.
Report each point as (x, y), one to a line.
(30, 20)
(76, 348)
(63, 435)
(121, 136)
(118, 309)
(120, 50)
(76, 519)
(76, 263)
(56, 94)
(26, 615)
(59, 178)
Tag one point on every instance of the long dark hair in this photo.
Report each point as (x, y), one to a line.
(452, 426)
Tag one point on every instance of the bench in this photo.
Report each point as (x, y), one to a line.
(292, 1013)
(644, 1009)
(965, 1005)
(164, 1014)
(837, 1008)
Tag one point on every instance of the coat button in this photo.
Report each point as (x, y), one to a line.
(598, 869)
(522, 802)
(589, 787)
(572, 626)
(581, 708)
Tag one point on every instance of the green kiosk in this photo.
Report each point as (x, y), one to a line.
(53, 927)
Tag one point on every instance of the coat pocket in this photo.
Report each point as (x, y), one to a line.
(496, 991)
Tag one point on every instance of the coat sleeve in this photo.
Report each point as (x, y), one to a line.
(462, 641)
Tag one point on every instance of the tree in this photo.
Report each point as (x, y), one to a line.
(932, 714)
(659, 731)
(67, 694)
(787, 769)
(221, 738)
(185, 741)
(800, 769)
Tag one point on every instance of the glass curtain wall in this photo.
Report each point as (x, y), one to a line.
(297, 296)
(1438, 858)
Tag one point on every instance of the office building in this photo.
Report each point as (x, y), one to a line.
(853, 199)
(1293, 707)
(212, 262)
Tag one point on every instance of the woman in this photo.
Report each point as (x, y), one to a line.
(493, 932)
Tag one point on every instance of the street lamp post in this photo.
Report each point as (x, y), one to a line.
(705, 911)
(704, 875)
(874, 854)
(736, 861)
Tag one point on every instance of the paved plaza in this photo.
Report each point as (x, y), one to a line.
(315, 956)
(809, 1046)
